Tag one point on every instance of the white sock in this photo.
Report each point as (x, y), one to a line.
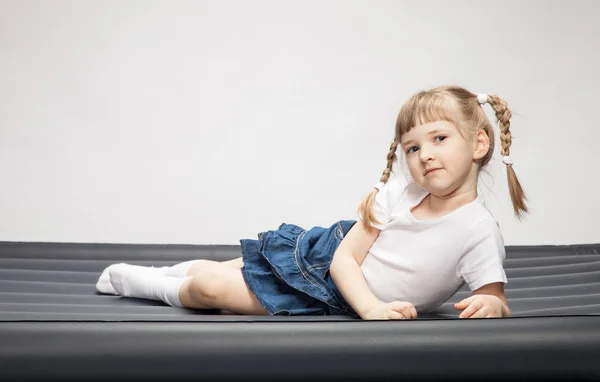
(129, 282)
(181, 269)
(103, 284)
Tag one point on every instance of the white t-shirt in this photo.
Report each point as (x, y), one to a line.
(427, 262)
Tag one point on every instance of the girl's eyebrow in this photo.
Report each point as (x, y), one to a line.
(432, 132)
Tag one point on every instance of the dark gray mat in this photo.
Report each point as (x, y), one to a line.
(56, 281)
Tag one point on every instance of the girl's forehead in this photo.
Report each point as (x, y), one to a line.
(421, 130)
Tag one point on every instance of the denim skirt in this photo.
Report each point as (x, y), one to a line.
(288, 269)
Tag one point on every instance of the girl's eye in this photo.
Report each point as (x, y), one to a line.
(411, 149)
(440, 137)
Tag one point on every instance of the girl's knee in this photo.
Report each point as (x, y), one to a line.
(208, 284)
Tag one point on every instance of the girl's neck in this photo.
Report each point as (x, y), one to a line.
(448, 203)
(435, 207)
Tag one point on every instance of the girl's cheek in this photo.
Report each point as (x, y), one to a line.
(411, 162)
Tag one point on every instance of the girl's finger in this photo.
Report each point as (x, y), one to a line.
(406, 313)
(464, 303)
(413, 311)
(395, 315)
(472, 308)
(481, 313)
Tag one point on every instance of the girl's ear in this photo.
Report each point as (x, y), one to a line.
(481, 144)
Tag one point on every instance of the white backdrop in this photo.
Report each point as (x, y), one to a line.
(204, 122)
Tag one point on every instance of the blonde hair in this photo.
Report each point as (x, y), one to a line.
(460, 107)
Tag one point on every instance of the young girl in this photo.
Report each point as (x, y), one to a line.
(419, 239)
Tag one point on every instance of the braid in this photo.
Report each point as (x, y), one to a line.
(391, 159)
(503, 114)
(365, 209)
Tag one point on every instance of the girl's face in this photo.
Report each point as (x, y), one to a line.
(439, 159)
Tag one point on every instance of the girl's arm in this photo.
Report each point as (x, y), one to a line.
(348, 277)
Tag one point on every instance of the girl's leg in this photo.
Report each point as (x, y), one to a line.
(211, 288)
(183, 269)
(219, 288)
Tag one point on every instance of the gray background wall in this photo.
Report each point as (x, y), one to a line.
(209, 121)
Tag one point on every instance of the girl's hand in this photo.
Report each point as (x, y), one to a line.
(481, 306)
(395, 310)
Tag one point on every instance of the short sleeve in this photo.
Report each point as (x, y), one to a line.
(483, 255)
(387, 197)
(381, 207)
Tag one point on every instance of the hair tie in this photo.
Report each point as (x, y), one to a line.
(482, 98)
(507, 161)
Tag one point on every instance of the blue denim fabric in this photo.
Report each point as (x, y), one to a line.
(288, 269)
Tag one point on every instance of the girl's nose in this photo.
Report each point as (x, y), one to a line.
(426, 156)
